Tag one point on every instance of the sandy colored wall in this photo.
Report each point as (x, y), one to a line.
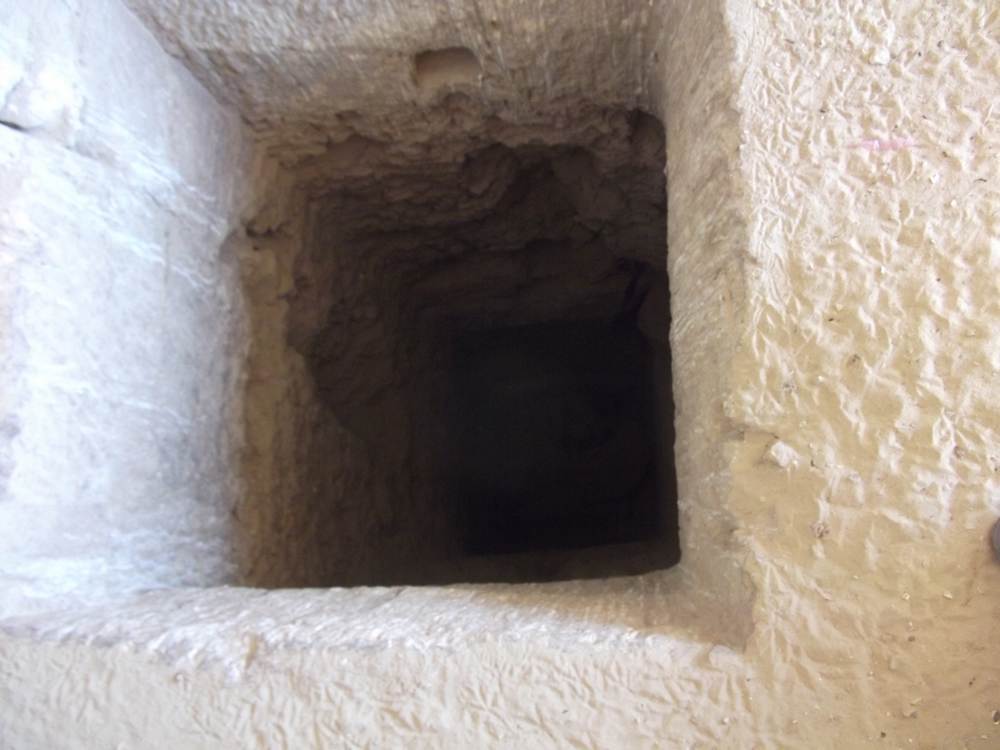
(845, 297)
(121, 338)
(868, 348)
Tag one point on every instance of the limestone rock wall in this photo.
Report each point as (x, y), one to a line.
(121, 337)
(831, 242)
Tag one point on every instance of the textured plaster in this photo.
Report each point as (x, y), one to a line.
(832, 233)
(867, 349)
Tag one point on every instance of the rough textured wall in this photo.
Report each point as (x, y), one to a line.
(852, 471)
(120, 346)
(864, 384)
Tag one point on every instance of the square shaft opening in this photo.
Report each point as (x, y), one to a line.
(485, 334)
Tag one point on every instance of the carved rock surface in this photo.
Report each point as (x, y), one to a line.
(832, 249)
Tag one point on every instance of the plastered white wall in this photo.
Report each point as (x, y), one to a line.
(864, 385)
(830, 225)
(121, 323)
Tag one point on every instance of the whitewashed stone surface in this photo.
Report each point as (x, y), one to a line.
(121, 321)
(833, 225)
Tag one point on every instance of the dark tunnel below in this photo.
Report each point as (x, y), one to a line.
(553, 438)
(493, 334)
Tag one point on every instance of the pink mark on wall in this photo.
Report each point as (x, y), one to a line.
(885, 144)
